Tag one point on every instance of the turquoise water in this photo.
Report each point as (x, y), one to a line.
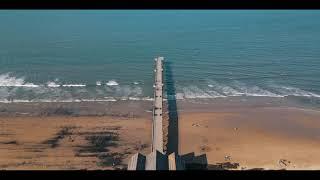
(109, 54)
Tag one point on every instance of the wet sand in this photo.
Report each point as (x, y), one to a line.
(233, 134)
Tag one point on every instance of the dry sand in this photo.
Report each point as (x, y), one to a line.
(254, 139)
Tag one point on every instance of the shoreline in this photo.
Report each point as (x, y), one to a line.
(144, 107)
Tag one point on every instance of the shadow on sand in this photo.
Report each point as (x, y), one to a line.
(200, 162)
(223, 166)
(191, 161)
(173, 131)
(99, 144)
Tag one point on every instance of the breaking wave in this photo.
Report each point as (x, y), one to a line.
(214, 90)
(10, 81)
(73, 85)
(52, 84)
(293, 91)
(112, 83)
(16, 89)
(224, 89)
(254, 90)
(98, 83)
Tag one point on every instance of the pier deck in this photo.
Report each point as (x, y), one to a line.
(157, 159)
(157, 132)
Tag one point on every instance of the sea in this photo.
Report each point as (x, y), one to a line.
(108, 55)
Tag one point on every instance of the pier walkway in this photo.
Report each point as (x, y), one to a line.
(157, 132)
(156, 160)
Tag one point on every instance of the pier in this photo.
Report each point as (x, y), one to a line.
(157, 159)
(157, 131)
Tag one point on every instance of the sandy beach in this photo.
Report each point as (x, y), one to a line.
(224, 90)
(238, 141)
(252, 135)
(71, 142)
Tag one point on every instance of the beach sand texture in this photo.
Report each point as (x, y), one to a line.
(232, 138)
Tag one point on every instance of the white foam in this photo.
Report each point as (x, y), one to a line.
(135, 83)
(216, 90)
(74, 85)
(27, 85)
(214, 94)
(254, 90)
(224, 89)
(98, 83)
(147, 99)
(112, 83)
(4, 101)
(109, 99)
(293, 91)
(20, 101)
(192, 92)
(134, 98)
(9, 81)
(52, 84)
(179, 96)
(97, 100)
(45, 100)
(136, 91)
(127, 91)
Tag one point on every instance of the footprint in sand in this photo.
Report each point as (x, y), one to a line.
(205, 148)
(284, 163)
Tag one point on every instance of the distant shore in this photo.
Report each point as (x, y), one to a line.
(234, 133)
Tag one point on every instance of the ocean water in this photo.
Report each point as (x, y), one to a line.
(109, 55)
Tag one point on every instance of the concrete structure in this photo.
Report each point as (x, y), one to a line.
(137, 162)
(156, 160)
(157, 131)
(175, 162)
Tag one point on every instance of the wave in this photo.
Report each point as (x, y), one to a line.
(52, 84)
(191, 92)
(126, 91)
(236, 88)
(224, 89)
(105, 99)
(112, 83)
(98, 83)
(73, 85)
(27, 85)
(52, 91)
(293, 91)
(147, 99)
(10, 81)
(253, 90)
(134, 98)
